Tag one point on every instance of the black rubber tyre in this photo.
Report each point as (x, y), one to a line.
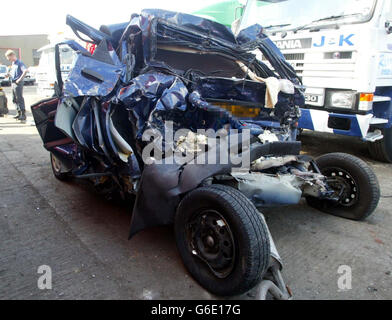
(250, 239)
(56, 168)
(381, 150)
(363, 187)
(299, 134)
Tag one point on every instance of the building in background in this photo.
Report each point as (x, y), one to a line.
(25, 46)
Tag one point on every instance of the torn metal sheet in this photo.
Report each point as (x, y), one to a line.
(90, 77)
(269, 190)
(264, 164)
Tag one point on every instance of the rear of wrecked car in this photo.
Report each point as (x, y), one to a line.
(170, 68)
(165, 66)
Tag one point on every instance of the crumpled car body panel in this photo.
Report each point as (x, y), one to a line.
(169, 66)
(81, 81)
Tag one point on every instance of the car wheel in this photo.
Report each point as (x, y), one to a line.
(57, 168)
(222, 239)
(354, 183)
(381, 150)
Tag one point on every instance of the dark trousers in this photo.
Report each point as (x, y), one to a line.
(17, 96)
(3, 104)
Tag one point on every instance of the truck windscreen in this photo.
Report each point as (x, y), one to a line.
(292, 14)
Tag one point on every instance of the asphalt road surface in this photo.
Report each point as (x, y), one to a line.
(83, 238)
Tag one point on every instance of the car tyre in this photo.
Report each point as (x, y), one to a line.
(361, 192)
(381, 150)
(57, 169)
(222, 239)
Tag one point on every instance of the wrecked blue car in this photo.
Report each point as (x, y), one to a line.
(181, 115)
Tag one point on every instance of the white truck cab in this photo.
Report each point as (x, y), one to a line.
(342, 50)
(46, 70)
(46, 74)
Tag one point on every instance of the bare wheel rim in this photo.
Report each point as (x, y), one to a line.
(343, 184)
(211, 240)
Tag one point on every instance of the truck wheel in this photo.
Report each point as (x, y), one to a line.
(354, 183)
(222, 240)
(381, 150)
(56, 168)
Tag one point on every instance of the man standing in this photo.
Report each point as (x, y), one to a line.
(17, 73)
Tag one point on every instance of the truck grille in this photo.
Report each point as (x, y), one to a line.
(295, 60)
(342, 55)
(291, 56)
(294, 56)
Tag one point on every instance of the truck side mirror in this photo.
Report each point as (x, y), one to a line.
(388, 27)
